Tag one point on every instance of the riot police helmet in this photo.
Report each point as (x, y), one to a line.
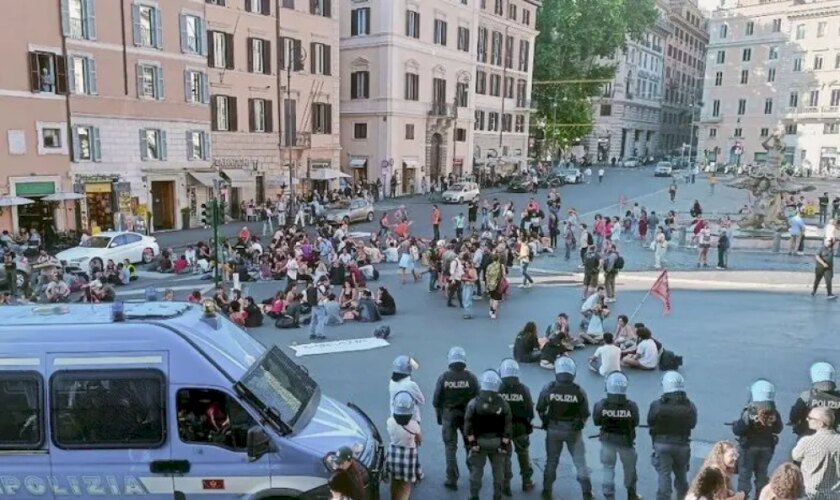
(565, 365)
(762, 391)
(672, 382)
(616, 383)
(402, 365)
(509, 368)
(822, 372)
(457, 355)
(490, 381)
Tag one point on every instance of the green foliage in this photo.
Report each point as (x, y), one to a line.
(577, 41)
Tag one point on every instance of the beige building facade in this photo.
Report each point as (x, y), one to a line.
(774, 65)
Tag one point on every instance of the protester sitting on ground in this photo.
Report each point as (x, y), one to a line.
(57, 290)
(349, 296)
(110, 274)
(276, 306)
(625, 335)
(708, 485)
(194, 297)
(365, 310)
(786, 483)
(123, 274)
(385, 302)
(332, 311)
(237, 315)
(391, 253)
(553, 348)
(165, 263)
(181, 265)
(646, 354)
(221, 300)
(254, 316)
(291, 316)
(169, 295)
(98, 292)
(607, 358)
(526, 346)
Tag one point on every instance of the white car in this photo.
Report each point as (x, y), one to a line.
(572, 175)
(663, 169)
(631, 162)
(114, 245)
(461, 192)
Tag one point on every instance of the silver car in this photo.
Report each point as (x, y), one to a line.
(358, 210)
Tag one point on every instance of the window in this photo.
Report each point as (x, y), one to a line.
(498, 8)
(716, 107)
(774, 53)
(606, 109)
(193, 35)
(321, 8)
(291, 54)
(721, 56)
(108, 409)
(496, 49)
(749, 28)
(288, 4)
(150, 81)
(746, 55)
(712, 132)
(479, 120)
(800, 31)
(507, 122)
(790, 129)
(320, 59)
(360, 21)
(360, 130)
(793, 101)
(742, 106)
(837, 61)
(198, 145)
(481, 48)
(797, 64)
(462, 94)
(512, 11)
(524, 55)
(492, 121)
(439, 95)
(821, 26)
(220, 49)
(22, 398)
(724, 30)
(765, 132)
(224, 113)
(818, 62)
(409, 131)
(463, 39)
(508, 87)
(260, 115)
(152, 144)
(777, 25)
(440, 32)
(509, 52)
(520, 124)
(718, 78)
(526, 17)
(147, 26)
(82, 75)
(814, 98)
(771, 75)
(79, 19)
(290, 135)
(738, 132)
(480, 82)
(86, 143)
(768, 106)
(196, 87)
(495, 84)
(360, 85)
(258, 7)
(47, 73)
(745, 76)
(412, 24)
(259, 56)
(199, 404)
(460, 135)
(835, 98)
(50, 139)
(831, 128)
(321, 118)
(412, 87)
(216, 2)
(521, 93)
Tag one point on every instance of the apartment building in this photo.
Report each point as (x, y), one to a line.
(773, 65)
(685, 66)
(503, 80)
(627, 115)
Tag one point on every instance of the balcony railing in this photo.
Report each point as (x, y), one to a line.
(710, 119)
(815, 111)
(442, 110)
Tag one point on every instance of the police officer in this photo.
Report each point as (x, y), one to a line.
(671, 419)
(618, 418)
(564, 409)
(488, 427)
(757, 432)
(518, 396)
(823, 392)
(454, 389)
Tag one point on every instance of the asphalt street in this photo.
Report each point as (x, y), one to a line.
(727, 338)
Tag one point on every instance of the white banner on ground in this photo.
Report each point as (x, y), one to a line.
(348, 345)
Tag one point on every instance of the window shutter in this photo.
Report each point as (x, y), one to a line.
(327, 8)
(211, 49)
(328, 119)
(187, 86)
(214, 119)
(313, 5)
(201, 37)
(269, 116)
(34, 74)
(252, 118)
(158, 29)
(292, 125)
(205, 145)
(250, 50)
(65, 17)
(96, 144)
(266, 7)
(190, 145)
(139, 80)
(266, 57)
(144, 147)
(354, 85)
(233, 115)
(249, 6)
(160, 93)
(298, 56)
(90, 66)
(205, 88)
(60, 75)
(162, 136)
(367, 84)
(354, 22)
(281, 53)
(74, 137)
(313, 67)
(327, 60)
(182, 23)
(90, 19)
(71, 77)
(135, 20)
(229, 50)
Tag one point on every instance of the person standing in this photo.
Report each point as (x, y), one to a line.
(824, 200)
(564, 410)
(460, 223)
(618, 418)
(488, 428)
(824, 268)
(797, 233)
(494, 278)
(591, 270)
(468, 283)
(453, 391)
(660, 247)
(456, 275)
(10, 268)
(672, 190)
(600, 175)
(518, 397)
(757, 432)
(403, 460)
(588, 174)
(612, 264)
(704, 241)
(671, 419)
(436, 218)
(712, 182)
(823, 392)
(393, 186)
(472, 213)
(819, 456)
(722, 249)
(524, 254)
(401, 381)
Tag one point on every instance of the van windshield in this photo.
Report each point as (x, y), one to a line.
(280, 385)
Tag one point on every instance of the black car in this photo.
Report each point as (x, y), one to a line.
(519, 185)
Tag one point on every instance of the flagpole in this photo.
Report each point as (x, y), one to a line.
(667, 306)
(639, 307)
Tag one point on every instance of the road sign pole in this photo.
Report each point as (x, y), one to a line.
(216, 246)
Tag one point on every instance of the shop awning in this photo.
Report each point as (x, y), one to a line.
(326, 174)
(204, 178)
(410, 162)
(238, 178)
(358, 162)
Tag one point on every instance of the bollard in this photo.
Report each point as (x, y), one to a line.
(777, 242)
(681, 237)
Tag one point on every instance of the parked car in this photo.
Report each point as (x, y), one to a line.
(461, 192)
(24, 270)
(357, 210)
(571, 175)
(631, 162)
(519, 184)
(663, 169)
(115, 245)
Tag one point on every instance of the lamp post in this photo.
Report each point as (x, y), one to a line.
(293, 59)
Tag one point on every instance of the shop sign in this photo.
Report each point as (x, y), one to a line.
(235, 163)
(43, 188)
(99, 187)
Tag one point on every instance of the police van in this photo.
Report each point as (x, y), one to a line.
(163, 401)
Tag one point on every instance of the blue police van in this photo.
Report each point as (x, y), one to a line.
(163, 401)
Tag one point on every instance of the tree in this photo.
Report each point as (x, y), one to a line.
(579, 40)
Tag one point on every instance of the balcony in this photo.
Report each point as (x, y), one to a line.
(443, 110)
(303, 140)
(711, 119)
(814, 112)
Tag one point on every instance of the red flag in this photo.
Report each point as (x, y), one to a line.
(662, 291)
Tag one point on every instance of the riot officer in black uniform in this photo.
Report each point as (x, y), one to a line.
(757, 432)
(618, 418)
(823, 392)
(518, 396)
(671, 419)
(488, 427)
(454, 390)
(564, 409)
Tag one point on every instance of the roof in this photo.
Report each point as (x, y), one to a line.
(69, 314)
(111, 234)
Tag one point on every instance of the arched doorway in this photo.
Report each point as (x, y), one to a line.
(436, 159)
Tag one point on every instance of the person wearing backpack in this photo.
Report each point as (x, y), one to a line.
(525, 256)
(591, 269)
(612, 263)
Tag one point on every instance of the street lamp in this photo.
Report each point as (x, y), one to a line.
(294, 58)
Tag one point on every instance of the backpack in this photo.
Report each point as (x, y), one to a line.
(531, 254)
(669, 361)
(589, 239)
(382, 332)
(618, 265)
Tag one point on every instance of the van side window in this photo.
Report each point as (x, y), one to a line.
(22, 403)
(108, 408)
(208, 416)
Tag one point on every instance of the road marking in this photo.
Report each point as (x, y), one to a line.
(626, 203)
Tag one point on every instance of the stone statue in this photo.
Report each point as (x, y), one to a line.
(767, 207)
(775, 147)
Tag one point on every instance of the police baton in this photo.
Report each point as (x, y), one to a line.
(643, 426)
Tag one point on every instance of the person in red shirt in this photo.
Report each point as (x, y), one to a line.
(436, 218)
(181, 264)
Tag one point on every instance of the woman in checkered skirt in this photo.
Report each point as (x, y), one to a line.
(403, 462)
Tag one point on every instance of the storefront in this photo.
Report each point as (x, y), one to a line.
(200, 187)
(239, 190)
(40, 215)
(359, 168)
(99, 206)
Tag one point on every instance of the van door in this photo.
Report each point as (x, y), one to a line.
(108, 425)
(24, 449)
(211, 436)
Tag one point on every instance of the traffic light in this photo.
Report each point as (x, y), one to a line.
(206, 218)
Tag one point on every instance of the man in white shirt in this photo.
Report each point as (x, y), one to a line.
(607, 358)
(456, 274)
(646, 356)
(57, 290)
(292, 268)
